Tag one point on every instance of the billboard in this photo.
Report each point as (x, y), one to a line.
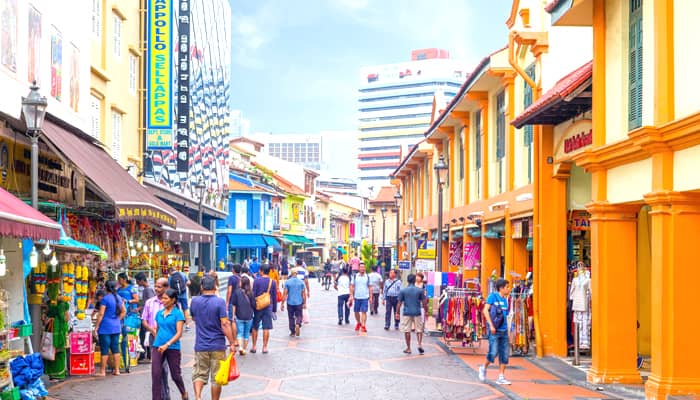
(159, 67)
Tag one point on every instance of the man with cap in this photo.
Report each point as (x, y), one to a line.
(213, 328)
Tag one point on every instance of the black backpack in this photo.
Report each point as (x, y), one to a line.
(497, 316)
(177, 282)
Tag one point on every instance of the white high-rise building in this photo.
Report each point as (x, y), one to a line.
(302, 149)
(395, 106)
(240, 126)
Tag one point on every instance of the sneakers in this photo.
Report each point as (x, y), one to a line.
(482, 373)
(340, 322)
(364, 329)
(502, 380)
(358, 326)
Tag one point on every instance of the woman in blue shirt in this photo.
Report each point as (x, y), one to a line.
(169, 323)
(108, 326)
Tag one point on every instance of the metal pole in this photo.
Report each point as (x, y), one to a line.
(373, 238)
(410, 244)
(576, 337)
(383, 238)
(35, 169)
(398, 247)
(439, 230)
(200, 245)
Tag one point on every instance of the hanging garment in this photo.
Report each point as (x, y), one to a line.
(583, 319)
(580, 293)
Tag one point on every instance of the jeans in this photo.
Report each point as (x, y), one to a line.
(391, 303)
(173, 358)
(375, 303)
(243, 328)
(295, 315)
(498, 345)
(343, 304)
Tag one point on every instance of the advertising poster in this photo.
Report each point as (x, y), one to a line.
(56, 63)
(74, 95)
(456, 253)
(472, 255)
(8, 34)
(34, 45)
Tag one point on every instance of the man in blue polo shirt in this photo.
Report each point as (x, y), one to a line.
(359, 295)
(295, 297)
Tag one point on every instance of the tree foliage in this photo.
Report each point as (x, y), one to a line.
(367, 256)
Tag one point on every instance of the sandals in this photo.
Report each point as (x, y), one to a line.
(407, 351)
(265, 352)
(253, 351)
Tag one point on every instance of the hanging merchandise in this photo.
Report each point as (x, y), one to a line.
(68, 278)
(39, 278)
(518, 318)
(81, 290)
(462, 314)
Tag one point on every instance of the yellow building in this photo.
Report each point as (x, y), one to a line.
(645, 211)
(115, 84)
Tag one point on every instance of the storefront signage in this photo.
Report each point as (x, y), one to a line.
(425, 265)
(159, 109)
(426, 249)
(404, 265)
(57, 180)
(140, 213)
(573, 139)
(472, 255)
(579, 220)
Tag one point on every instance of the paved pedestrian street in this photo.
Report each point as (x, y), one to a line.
(329, 361)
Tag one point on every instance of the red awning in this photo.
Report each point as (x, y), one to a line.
(132, 201)
(557, 96)
(20, 220)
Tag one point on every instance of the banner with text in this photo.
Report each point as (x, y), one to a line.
(182, 136)
(159, 69)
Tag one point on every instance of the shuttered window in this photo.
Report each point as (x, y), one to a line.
(528, 129)
(501, 125)
(477, 140)
(116, 135)
(635, 64)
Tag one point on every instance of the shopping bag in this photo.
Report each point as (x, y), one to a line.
(279, 296)
(221, 377)
(48, 351)
(132, 322)
(233, 372)
(305, 316)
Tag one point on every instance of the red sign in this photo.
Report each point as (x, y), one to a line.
(578, 141)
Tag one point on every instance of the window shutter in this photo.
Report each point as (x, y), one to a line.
(635, 64)
(477, 141)
(527, 101)
(500, 125)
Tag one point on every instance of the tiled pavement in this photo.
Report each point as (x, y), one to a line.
(329, 361)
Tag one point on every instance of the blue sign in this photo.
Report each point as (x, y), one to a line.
(405, 265)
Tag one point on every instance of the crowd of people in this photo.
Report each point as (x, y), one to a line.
(254, 292)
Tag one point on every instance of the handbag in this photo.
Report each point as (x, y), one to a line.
(263, 301)
(233, 372)
(48, 351)
(132, 321)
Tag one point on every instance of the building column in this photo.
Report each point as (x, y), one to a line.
(550, 242)
(614, 293)
(675, 227)
(508, 248)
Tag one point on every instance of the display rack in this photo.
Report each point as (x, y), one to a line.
(463, 319)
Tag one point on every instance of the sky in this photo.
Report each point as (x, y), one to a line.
(296, 64)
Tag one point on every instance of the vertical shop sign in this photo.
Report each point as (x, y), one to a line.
(472, 255)
(159, 66)
(183, 83)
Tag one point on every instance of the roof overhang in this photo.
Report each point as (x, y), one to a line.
(571, 12)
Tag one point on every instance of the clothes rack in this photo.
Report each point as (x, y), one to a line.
(463, 319)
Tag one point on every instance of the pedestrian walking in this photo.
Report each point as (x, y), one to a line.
(392, 287)
(412, 299)
(303, 274)
(108, 326)
(359, 296)
(179, 281)
(254, 267)
(147, 292)
(213, 328)
(420, 283)
(261, 285)
(243, 307)
(376, 287)
(148, 325)
(354, 264)
(284, 268)
(170, 322)
(295, 297)
(130, 293)
(342, 285)
(234, 282)
(498, 330)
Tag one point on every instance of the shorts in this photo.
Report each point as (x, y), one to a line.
(264, 316)
(361, 305)
(243, 329)
(411, 320)
(498, 345)
(182, 301)
(109, 342)
(206, 365)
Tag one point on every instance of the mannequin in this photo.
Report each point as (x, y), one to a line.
(580, 295)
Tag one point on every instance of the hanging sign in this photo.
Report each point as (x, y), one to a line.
(426, 249)
(182, 143)
(579, 220)
(573, 140)
(425, 265)
(159, 69)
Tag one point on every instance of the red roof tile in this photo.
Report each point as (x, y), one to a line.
(557, 93)
(385, 195)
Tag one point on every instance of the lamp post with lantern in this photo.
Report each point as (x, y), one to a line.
(201, 187)
(397, 203)
(441, 170)
(34, 111)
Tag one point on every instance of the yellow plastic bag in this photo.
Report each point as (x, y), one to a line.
(221, 377)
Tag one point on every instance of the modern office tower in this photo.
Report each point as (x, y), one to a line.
(302, 149)
(395, 106)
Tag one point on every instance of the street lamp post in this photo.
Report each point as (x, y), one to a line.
(397, 203)
(34, 111)
(372, 222)
(201, 187)
(441, 173)
(383, 210)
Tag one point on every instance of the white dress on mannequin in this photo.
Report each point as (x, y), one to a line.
(580, 294)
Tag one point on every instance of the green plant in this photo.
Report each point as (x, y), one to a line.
(367, 256)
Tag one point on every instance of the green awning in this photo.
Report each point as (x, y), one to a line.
(298, 239)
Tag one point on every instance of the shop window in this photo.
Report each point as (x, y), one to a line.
(95, 116)
(241, 214)
(635, 64)
(116, 135)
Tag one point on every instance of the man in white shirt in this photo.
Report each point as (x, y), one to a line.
(342, 285)
(359, 296)
(375, 286)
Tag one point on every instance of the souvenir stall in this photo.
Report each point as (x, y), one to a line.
(461, 312)
(520, 316)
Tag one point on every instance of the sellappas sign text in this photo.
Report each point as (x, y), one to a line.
(573, 139)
